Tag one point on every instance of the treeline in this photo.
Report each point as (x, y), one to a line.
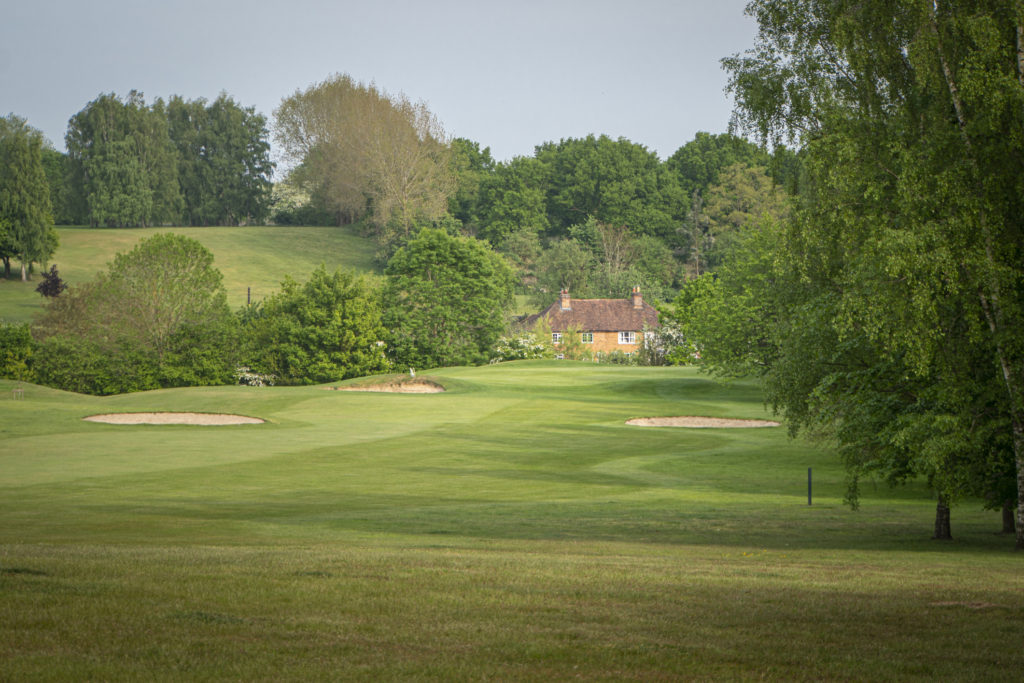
(594, 215)
(158, 317)
(179, 162)
(598, 216)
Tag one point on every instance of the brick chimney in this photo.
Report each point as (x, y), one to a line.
(638, 301)
(566, 301)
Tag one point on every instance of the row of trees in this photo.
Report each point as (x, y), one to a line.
(158, 317)
(596, 215)
(192, 162)
(886, 311)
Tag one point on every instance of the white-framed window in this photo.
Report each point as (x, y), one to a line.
(627, 337)
(556, 337)
(587, 337)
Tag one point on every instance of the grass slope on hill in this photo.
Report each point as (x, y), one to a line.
(256, 257)
(512, 528)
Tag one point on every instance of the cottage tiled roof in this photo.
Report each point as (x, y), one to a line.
(597, 315)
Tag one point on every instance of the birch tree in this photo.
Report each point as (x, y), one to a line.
(911, 115)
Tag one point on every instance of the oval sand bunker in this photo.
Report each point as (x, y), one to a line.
(414, 387)
(699, 422)
(174, 419)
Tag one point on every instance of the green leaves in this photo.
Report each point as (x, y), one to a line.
(26, 223)
(157, 317)
(445, 301)
(133, 164)
(324, 330)
(224, 162)
(902, 260)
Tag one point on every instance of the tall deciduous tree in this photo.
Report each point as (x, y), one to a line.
(147, 298)
(908, 242)
(157, 317)
(223, 160)
(615, 181)
(367, 153)
(473, 166)
(123, 164)
(698, 163)
(26, 222)
(55, 164)
(446, 300)
(741, 196)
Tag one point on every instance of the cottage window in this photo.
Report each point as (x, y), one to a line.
(587, 337)
(627, 337)
(556, 337)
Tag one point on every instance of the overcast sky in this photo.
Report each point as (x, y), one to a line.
(509, 75)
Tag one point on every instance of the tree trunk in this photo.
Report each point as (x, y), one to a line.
(1009, 525)
(943, 532)
(991, 294)
(24, 274)
(1018, 441)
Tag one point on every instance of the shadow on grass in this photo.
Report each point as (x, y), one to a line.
(14, 571)
(663, 521)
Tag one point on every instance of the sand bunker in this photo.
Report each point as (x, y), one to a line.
(416, 386)
(699, 422)
(174, 419)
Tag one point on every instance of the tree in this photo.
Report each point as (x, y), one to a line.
(473, 166)
(223, 160)
(52, 284)
(160, 309)
(698, 163)
(367, 153)
(55, 165)
(513, 202)
(25, 217)
(615, 181)
(571, 347)
(8, 249)
(123, 168)
(907, 242)
(445, 301)
(742, 195)
(324, 330)
(567, 264)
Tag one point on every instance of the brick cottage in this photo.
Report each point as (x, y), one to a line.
(604, 325)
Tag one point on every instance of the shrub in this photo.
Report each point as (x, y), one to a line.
(15, 352)
(86, 367)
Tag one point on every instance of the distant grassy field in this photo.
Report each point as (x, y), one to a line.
(512, 528)
(256, 257)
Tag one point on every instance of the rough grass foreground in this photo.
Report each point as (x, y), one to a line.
(511, 528)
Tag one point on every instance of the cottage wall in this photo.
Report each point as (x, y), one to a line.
(606, 342)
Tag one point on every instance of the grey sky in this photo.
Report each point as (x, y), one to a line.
(509, 75)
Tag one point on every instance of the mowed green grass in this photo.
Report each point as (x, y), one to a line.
(256, 258)
(512, 528)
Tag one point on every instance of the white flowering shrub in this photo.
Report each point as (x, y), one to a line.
(523, 347)
(249, 378)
